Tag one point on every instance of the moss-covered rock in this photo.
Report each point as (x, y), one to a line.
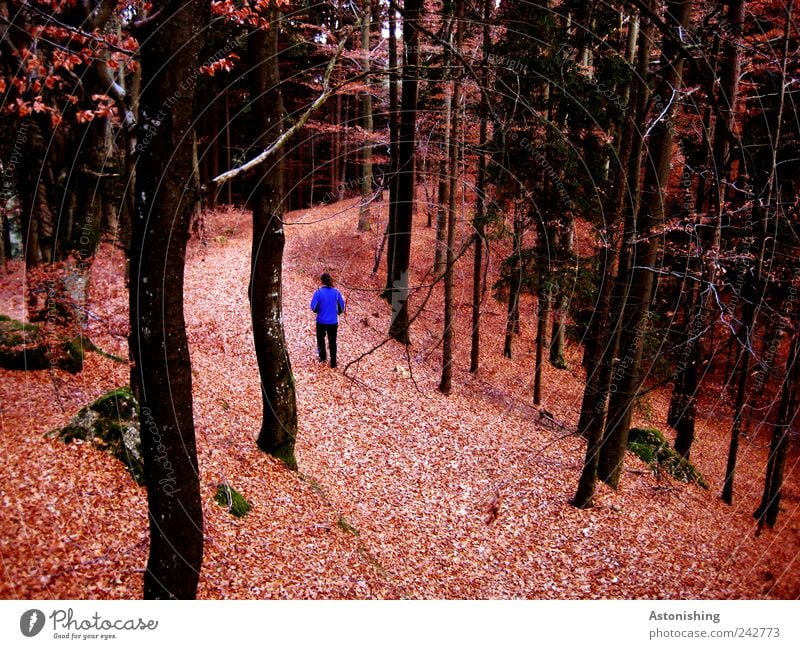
(650, 445)
(23, 346)
(231, 500)
(111, 424)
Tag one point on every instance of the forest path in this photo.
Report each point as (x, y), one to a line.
(401, 492)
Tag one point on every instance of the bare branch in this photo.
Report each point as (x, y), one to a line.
(277, 145)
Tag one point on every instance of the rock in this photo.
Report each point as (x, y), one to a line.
(650, 445)
(23, 346)
(111, 424)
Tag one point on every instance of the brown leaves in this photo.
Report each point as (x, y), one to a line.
(403, 492)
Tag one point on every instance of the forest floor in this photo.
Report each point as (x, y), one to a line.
(396, 481)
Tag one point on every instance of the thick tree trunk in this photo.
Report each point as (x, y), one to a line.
(161, 373)
(404, 210)
(445, 385)
(279, 411)
(649, 218)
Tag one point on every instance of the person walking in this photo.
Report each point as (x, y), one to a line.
(328, 304)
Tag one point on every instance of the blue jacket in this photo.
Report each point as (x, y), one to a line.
(327, 303)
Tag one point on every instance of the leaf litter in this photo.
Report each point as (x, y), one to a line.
(401, 492)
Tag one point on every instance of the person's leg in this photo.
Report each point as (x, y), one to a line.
(332, 331)
(321, 343)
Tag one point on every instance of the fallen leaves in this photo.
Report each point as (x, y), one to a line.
(402, 492)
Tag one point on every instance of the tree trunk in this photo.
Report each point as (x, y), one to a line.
(684, 401)
(566, 248)
(543, 308)
(767, 512)
(600, 364)
(366, 165)
(161, 375)
(279, 411)
(404, 210)
(649, 218)
(757, 285)
(478, 222)
(444, 164)
(445, 385)
(394, 147)
(514, 284)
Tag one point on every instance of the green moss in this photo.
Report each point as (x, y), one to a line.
(283, 452)
(71, 358)
(230, 499)
(117, 404)
(347, 527)
(650, 445)
(110, 424)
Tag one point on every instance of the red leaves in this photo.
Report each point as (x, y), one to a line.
(226, 63)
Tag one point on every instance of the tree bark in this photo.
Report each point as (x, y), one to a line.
(649, 217)
(279, 411)
(161, 374)
(683, 406)
(599, 365)
(394, 146)
(404, 210)
(445, 385)
(767, 512)
(479, 219)
(364, 224)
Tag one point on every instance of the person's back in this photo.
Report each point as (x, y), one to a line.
(327, 303)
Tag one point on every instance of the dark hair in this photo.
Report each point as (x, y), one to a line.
(326, 279)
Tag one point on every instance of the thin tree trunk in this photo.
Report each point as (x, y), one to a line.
(161, 374)
(684, 402)
(514, 282)
(445, 167)
(445, 385)
(480, 196)
(750, 314)
(366, 175)
(543, 308)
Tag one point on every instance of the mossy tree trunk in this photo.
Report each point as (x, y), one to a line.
(279, 409)
(161, 375)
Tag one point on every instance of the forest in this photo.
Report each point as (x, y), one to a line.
(567, 238)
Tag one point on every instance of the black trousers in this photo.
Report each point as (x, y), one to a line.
(328, 330)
